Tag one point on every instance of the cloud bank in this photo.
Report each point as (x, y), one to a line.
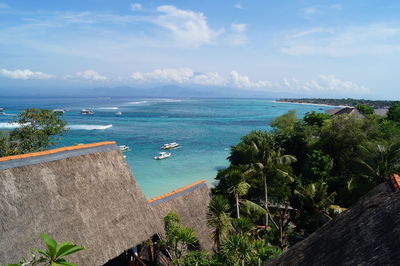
(23, 74)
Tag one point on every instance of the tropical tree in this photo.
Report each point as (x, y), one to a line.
(394, 113)
(237, 250)
(37, 130)
(262, 252)
(365, 109)
(218, 219)
(53, 255)
(242, 226)
(237, 186)
(267, 159)
(316, 201)
(177, 238)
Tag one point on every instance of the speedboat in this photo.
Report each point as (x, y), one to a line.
(162, 155)
(1, 109)
(171, 145)
(2, 113)
(124, 148)
(118, 113)
(86, 112)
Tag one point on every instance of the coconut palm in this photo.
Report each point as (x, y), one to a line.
(237, 185)
(315, 200)
(268, 158)
(237, 250)
(218, 218)
(242, 226)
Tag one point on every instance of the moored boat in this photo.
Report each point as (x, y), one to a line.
(162, 155)
(124, 148)
(171, 145)
(59, 111)
(118, 113)
(86, 112)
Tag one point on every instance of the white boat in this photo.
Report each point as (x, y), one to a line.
(171, 145)
(124, 148)
(2, 113)
(118, 113)
(162, 155)
(86, 112)
(1, 109)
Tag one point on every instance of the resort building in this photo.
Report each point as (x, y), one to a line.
(86, 194)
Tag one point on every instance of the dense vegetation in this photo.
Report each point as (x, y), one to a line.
(284, 184)
(36, 130)
(348, 101)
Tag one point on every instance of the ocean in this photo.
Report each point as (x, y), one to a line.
(205, 128)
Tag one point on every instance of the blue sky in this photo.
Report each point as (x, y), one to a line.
(310, 48)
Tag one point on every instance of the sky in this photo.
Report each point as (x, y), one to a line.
(303, 47)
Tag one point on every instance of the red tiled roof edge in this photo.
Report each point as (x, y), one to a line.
(395, 179)
(176, 191)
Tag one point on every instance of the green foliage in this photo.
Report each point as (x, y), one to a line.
(285, 123)
(178, 239)
(365, 109)
(315, 119)
(53, 255)
(37, 131)
(318, 167)
(394, 113)
(218, 218)
(196, 258)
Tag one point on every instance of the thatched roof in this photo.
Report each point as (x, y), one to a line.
(84, 194)
(346, 111)
(366, 234)
(190, 203)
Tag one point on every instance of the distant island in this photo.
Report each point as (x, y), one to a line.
(341, 102)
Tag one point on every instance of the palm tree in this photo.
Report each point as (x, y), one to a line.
(267, 158)
(218, 218)
(316, 200)
(237, 249)
(381, 160)
(237, 185)
(243, 226)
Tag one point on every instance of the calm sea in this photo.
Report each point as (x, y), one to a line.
(206, 128)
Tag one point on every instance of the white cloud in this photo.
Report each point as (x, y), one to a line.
(238, 6)
(242, 81)
(3, 5)
(136, 6)
(371, 40)
(238, 28)
(309, 10)
(189, 28)
(91, 75)
(23, 74)
(238, 36)
(179, 76)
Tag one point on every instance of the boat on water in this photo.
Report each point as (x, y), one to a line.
(86, 112)
(169, 146)
(59, 111)
(118, 113)
(1, 109)
(124, 148)
(2, 113)
(162, 155)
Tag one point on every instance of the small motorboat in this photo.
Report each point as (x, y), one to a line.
(118, 113)
(1, 109)
(2, 113)
(162, 155)
(86, 112)
(124, 148)
(169, 146)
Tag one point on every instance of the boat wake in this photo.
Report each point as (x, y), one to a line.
(89, 127)
(108, 108)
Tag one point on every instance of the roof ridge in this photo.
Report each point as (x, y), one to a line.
(52, 151)
(176, 191)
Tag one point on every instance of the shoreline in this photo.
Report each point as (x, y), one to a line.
(314, 104)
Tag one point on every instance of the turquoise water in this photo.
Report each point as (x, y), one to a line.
(206, 128)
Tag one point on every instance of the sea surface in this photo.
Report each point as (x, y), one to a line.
(205, 128)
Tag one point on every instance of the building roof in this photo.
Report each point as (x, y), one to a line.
(86, 194)
(346, 111)
(191, 204)
(366, 234)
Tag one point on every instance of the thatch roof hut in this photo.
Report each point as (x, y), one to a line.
(346, 111)
(84, 194)
(366, 234)
(190, 203)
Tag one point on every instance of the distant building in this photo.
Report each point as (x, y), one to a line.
(346, 111)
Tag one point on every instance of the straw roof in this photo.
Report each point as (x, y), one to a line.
(366, 234)
(84, 194)
(191, 204)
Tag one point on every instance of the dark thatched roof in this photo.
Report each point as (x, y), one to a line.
(84, 194)
(190, 203)
(346, 111)
(366, 234)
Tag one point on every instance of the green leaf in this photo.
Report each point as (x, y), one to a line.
(62, 248)
(70, 249)
(50, 243)
(44, 253)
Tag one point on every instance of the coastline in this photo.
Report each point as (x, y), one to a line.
(313, 104)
